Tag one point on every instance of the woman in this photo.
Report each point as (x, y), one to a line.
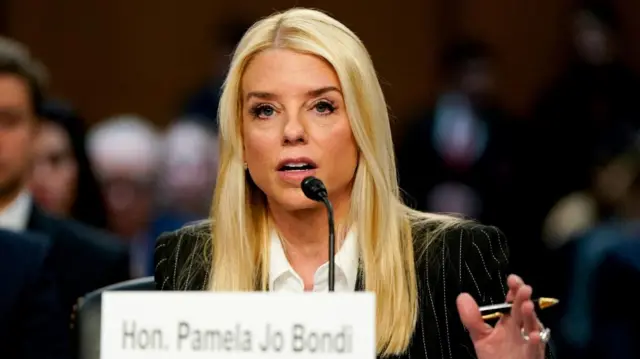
(302, 98)
(63, 181)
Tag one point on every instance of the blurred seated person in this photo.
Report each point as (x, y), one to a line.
(188, 171)
(580, 211)
(458, 156)
(32, 323)
(63, 182)
(461, 155)
(616, 332)
(83, 258)
(125, 151)
(594, 98)
(579, 260)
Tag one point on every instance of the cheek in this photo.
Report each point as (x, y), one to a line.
(21, 140)
(70, 178)
(341, 150)
(261, 150)
(257, 147)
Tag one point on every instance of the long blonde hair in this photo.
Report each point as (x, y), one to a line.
(240, 233)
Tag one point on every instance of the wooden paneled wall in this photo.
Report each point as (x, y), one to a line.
(115, 56)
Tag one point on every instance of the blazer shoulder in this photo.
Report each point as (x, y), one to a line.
(23, 243)
(91, 241)
(97, 238)
(23, 252)
(466, 257)
(181, 258)
(32, 296)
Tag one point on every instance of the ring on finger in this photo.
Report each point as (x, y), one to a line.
(545, 335)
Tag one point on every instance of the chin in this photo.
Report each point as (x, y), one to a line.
(294, 200)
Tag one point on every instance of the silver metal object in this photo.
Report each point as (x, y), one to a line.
(545, 335)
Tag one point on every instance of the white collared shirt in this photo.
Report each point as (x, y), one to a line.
(283, 278)
(16, 216)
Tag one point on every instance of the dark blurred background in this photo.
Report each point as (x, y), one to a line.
(143, 56)
(521, 114)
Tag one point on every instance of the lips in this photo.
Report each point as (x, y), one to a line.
(294, 170)
(296, 165)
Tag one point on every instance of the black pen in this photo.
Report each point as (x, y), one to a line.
(495, 311)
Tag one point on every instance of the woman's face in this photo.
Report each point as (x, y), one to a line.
(55, 171)
(295, 125)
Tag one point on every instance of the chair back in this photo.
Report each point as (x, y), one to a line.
(89, 313)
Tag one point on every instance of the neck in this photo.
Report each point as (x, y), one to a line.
(305, 233)
(7, 198)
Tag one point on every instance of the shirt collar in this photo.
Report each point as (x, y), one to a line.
(346, 260)
(16, 216)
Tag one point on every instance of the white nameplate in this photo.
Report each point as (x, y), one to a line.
(160, 325)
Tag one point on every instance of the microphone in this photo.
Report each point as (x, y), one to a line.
(315, 190)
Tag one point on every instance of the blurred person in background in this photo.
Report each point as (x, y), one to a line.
(579, 211)
(83, 259)
(63, 181)
(615, 333)
(579, 259)
(460, 153)
(202, 104)
(32, 325)
(125, 151)
(464, 156)
(594, 100)
(188, 171)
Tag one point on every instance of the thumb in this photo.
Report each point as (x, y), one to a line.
(471, 317)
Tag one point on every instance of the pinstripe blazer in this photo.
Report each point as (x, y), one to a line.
(471, 258)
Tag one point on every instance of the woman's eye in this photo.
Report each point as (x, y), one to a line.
(263, 111)
(267, 111)
(324, 108)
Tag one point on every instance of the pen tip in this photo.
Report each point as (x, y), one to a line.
(547, 302)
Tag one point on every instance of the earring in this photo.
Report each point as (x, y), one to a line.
(245, 166)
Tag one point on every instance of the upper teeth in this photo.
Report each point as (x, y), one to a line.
(296, 164)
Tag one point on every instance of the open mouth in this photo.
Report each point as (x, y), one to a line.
(296, 166)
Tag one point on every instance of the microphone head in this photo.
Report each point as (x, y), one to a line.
(314, 189)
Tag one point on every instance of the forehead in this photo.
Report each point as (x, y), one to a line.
(285, 71)
(14, 91)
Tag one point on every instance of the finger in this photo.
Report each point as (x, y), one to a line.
(523, 295)
(471, 317)
(514, 282)
(529, 318)
(534, 338)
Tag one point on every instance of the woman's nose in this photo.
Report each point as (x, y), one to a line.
(294, 130)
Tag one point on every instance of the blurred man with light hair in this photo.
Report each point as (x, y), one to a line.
(188, 173)
(191, 157)
(125, 152)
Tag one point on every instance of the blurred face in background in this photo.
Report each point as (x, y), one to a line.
(55, 170)
(189, 169)
(18, 128)
(129, 203)
(123, 151)
(591, 38)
